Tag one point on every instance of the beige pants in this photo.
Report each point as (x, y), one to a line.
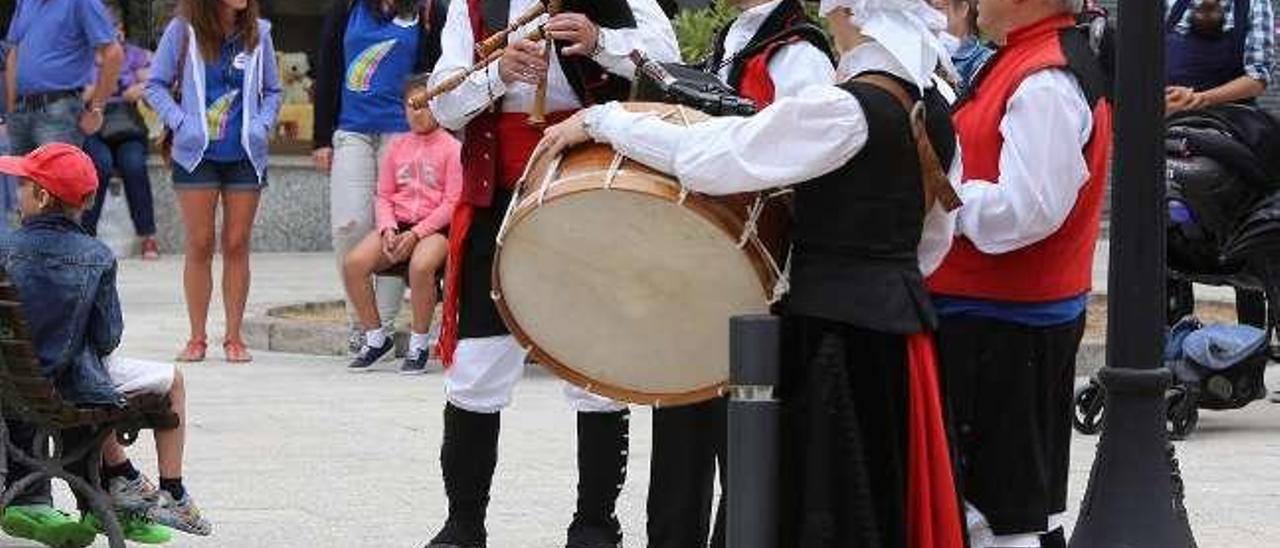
(353, 183)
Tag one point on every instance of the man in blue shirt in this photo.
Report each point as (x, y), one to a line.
(52, 45)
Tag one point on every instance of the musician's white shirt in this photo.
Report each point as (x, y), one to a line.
(794, 140)
(793, 67)
(653, 35)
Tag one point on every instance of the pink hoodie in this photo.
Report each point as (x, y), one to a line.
(420, 182)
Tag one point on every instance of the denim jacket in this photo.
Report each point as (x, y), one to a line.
(67, 281)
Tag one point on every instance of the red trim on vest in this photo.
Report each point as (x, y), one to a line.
(756, 83)
(1060, 266)
(480, 142)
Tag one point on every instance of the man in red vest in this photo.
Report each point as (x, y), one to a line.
(1035, 132)
(865, 459)
(590, 65)
(771, 50)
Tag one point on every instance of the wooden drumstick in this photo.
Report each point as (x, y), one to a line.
(538, 117)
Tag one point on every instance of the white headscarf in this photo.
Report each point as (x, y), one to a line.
(909, 29)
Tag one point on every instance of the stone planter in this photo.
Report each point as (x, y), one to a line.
(293, 215)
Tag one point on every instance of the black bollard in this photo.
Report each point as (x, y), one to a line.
(1131, 500)
(754, 418)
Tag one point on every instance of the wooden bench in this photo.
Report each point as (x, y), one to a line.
(28, 396)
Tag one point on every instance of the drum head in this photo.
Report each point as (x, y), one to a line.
(627, 293)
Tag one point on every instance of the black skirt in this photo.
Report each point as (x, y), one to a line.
(844, 448)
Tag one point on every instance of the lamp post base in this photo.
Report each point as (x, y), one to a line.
(1134, 497)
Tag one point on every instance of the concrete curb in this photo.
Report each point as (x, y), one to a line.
(264, 328)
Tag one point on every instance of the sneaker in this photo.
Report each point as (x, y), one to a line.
(181, 515)
(136, 495)
(369, 355)
(150, 249)
(355, 340)
(137, 528)
(415, 363)
(46, 525)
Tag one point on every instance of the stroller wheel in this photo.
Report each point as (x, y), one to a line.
(1183, 412)
(1090, 405)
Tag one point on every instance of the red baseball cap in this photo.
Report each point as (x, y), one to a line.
(61, 169)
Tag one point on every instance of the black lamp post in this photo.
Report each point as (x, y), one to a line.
(1130, 501)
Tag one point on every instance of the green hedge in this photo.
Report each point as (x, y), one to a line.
(696, 28)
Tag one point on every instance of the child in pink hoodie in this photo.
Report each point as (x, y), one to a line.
(419, 183)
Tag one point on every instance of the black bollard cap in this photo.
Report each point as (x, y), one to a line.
(754, 350)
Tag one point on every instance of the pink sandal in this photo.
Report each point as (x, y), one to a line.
(236, 352)
(194, 351)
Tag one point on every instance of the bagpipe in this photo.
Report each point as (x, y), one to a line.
(605, 13)
(686, 85)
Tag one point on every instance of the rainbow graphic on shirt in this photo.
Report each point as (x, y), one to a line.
(364, 66)
(218, 115)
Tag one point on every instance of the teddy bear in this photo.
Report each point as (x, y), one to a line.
(293, 77)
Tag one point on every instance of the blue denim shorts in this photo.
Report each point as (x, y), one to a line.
(215, 175)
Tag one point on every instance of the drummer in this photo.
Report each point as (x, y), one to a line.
(771, 50)
(484, 361)
(857, 349)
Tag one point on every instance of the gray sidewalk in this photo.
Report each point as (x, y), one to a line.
(292, 451)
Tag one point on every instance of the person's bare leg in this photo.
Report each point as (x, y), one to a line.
(112, 452)
(170, 443)
(428, 257)
(198, 209)
(239, 210)
(357, 275)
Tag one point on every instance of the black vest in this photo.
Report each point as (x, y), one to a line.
(787, 21)
(590, 82)
(856, 229)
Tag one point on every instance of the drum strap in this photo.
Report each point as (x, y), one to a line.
(937, 187)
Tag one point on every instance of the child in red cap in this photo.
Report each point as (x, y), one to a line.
(67, 281)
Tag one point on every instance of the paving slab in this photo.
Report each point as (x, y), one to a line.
(293, 451)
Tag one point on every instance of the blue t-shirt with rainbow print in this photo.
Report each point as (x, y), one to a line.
(224, 107)
(379, 58)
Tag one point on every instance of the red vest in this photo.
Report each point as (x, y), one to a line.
(1060, 266)
(486, 159)
(756, 82)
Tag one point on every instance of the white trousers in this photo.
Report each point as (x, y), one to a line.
(980, 535)
(353, 184)
(486, 370)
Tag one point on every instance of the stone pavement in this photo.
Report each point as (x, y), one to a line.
(292, 451)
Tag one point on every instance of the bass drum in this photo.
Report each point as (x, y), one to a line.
(623, 283)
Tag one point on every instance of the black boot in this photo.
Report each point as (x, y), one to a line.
(467, 458)
(682, 470)
(602, 469)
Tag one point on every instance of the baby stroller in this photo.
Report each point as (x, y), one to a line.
(1223, 201)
